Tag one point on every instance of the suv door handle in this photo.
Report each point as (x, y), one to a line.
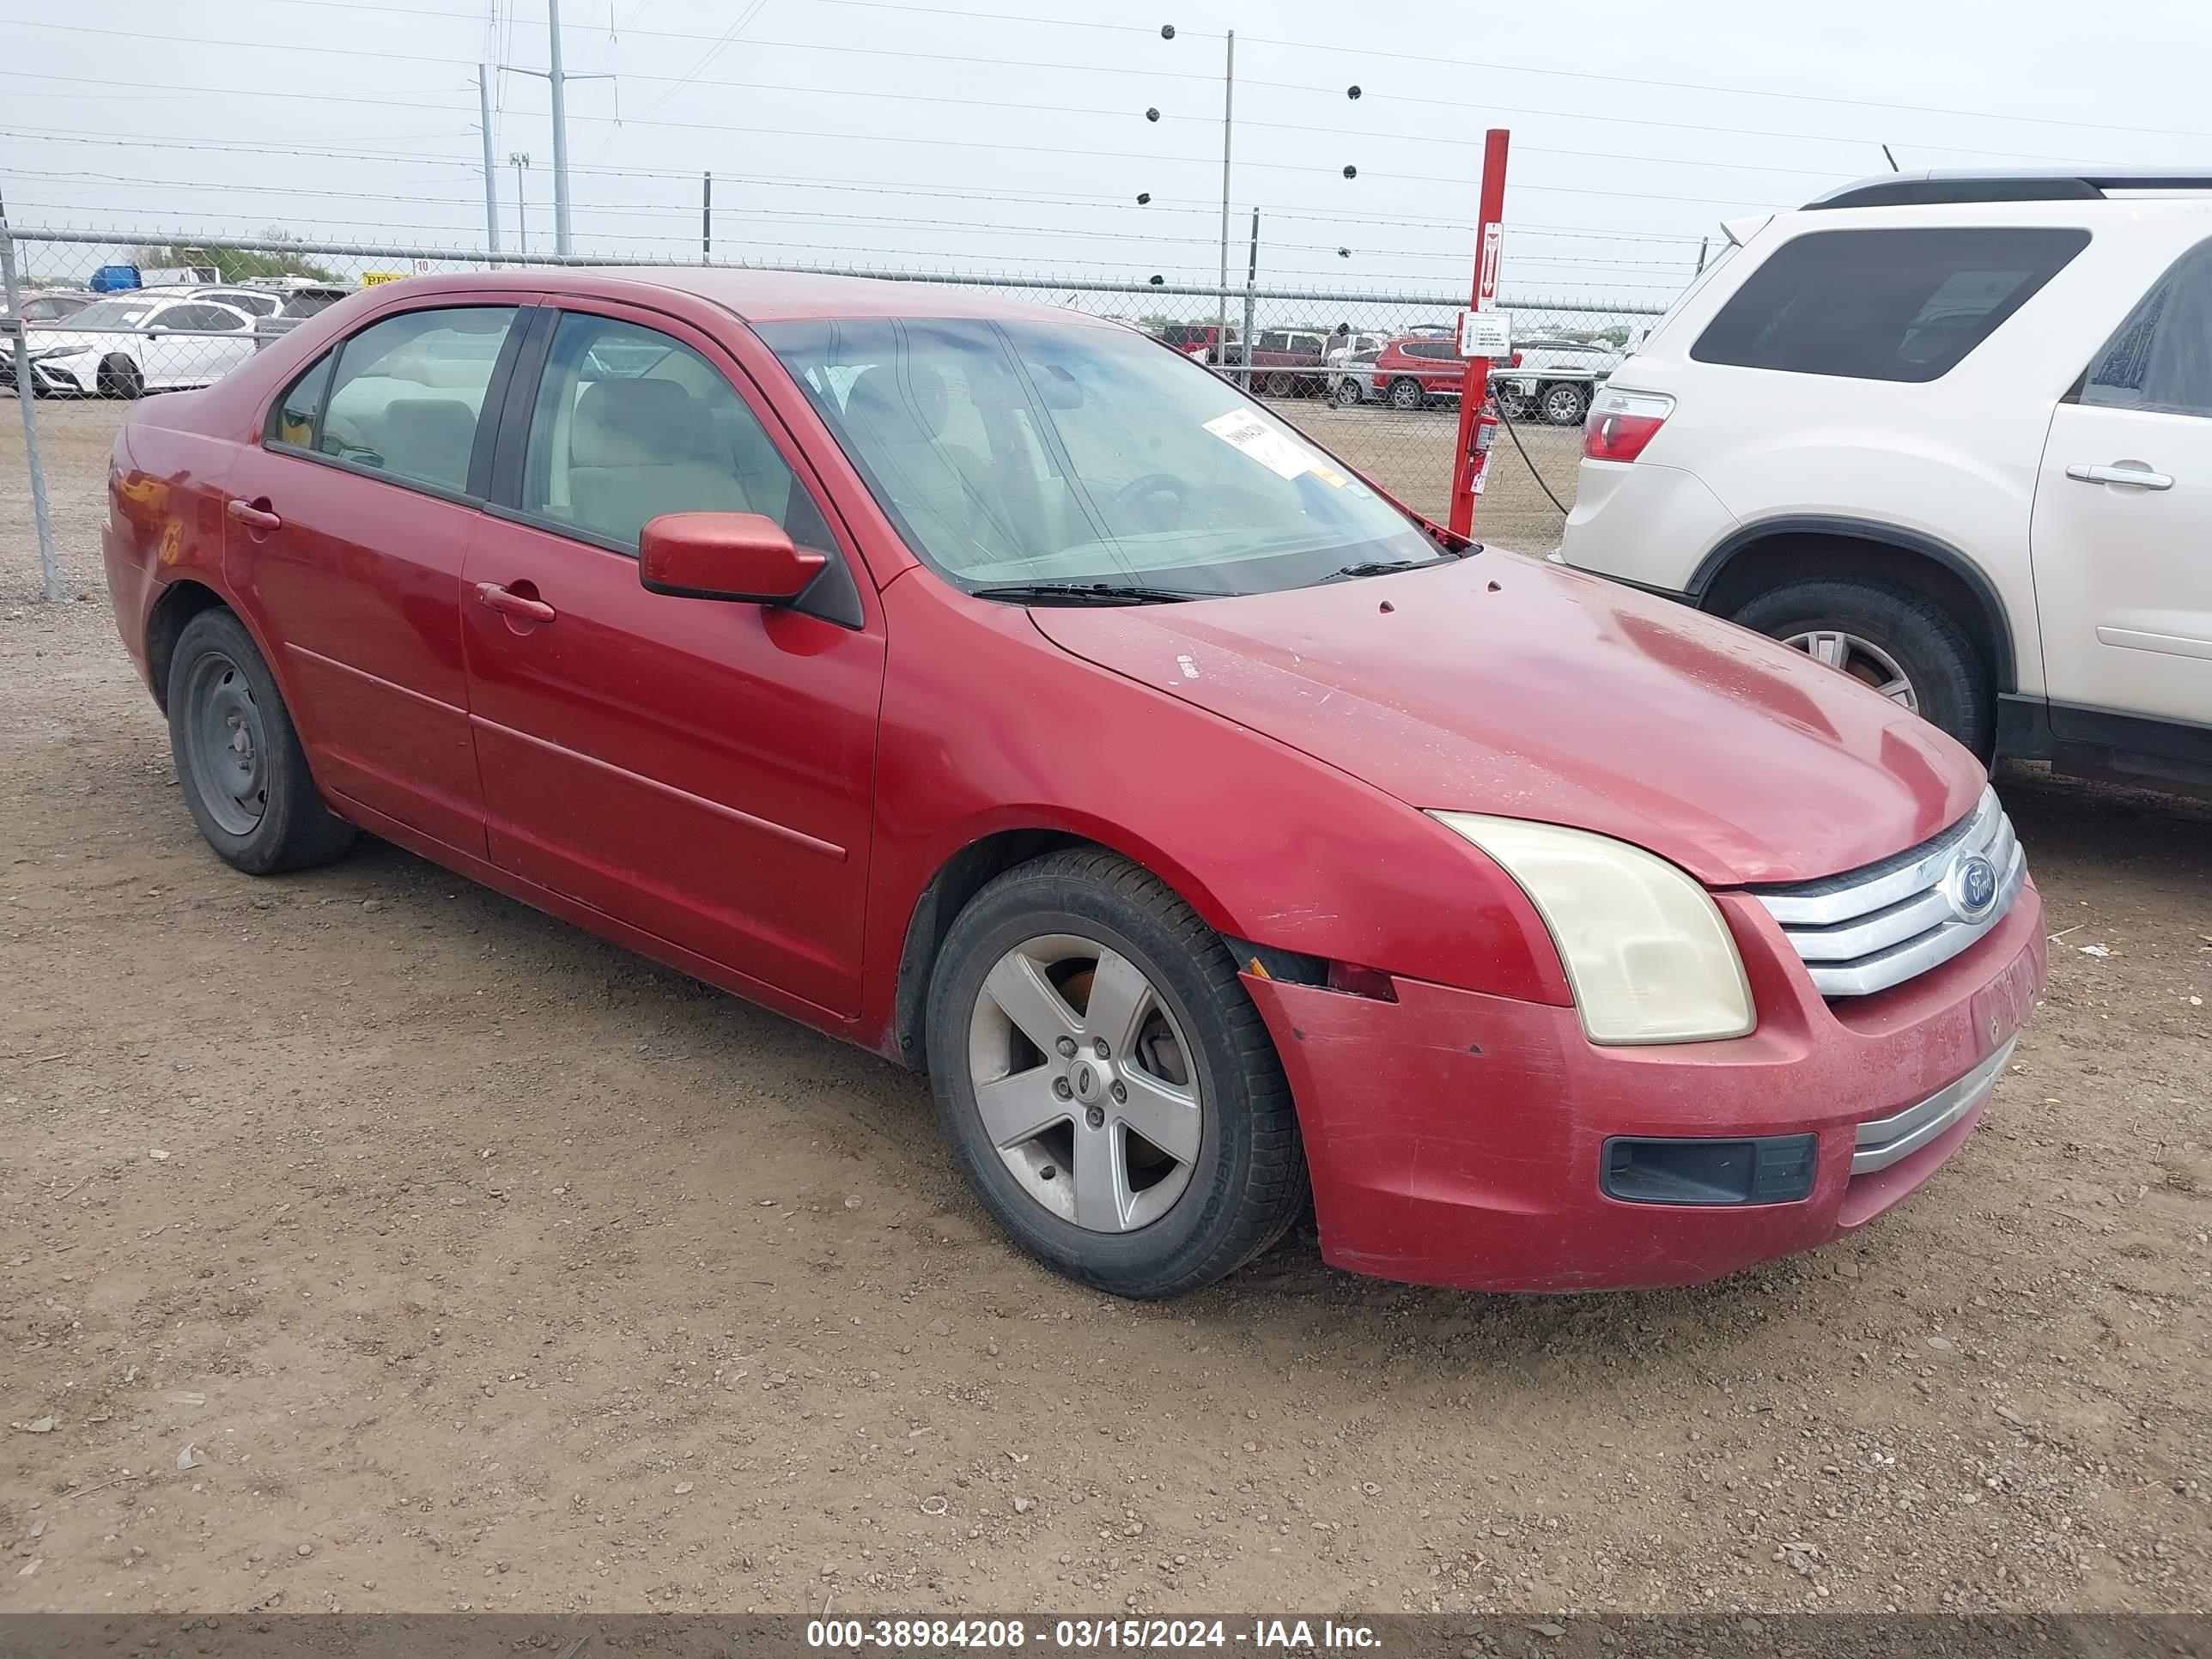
(493, 597)
(2140, 478)
(259, 518)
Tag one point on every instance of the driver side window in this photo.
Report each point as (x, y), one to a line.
(630, 423)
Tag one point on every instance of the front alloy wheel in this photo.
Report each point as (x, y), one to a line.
(1107, 1087)
(1083, 1082)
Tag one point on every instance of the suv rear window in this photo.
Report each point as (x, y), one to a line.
(1884, 305)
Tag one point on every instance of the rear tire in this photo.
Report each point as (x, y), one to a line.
(1513, 404)
(1279, 386)
(1879, 634)
(1564, 404)
(1226, 1177)
(1347, 394)
(1406, 394)
(239, 760)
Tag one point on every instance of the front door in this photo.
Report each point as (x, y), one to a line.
(348, 525)
(702, 771)
(2122, 534)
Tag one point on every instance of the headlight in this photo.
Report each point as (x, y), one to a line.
(1646, 951)
(58, 352)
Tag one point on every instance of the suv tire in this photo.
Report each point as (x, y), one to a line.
(1949, 684)
(1406, 393)
(1237, 1182)
(1564, 404)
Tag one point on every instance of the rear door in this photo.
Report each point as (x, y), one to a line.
(702, 771)
(347, 526)
(2122, 536)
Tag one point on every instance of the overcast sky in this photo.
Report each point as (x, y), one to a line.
(917, 137)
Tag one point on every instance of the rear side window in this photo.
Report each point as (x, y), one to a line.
(292, 416)
(1440, 351)
(1884, 305)
(410, 389)
(2160, 359)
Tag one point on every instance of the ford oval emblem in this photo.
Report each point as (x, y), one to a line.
(1973, 887)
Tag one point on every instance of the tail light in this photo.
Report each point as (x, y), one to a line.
(1621, 422)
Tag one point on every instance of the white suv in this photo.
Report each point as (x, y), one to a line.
(1950, 433)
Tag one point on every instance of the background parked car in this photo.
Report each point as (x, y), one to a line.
(299, 299)
(1287, 362)
(51, 305)
(1204, 341)
(1951, 434)
(1348, 376)
(1411, 372)
(128, 344)
(1553, 379)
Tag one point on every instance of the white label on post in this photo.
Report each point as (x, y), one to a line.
(1486, 286)
(1486, 334)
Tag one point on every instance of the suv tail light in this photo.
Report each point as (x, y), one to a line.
(1621, 422)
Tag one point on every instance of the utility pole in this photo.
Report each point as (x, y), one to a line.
(706, 219)
(558, 81)
(1228, 113)
(491, 176)
(521, 160)
(1471, 459)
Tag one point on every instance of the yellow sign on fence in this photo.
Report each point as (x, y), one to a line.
(371, 278)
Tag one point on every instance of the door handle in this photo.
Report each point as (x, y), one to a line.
(493, 597)
(2139, 477)
(259, 518)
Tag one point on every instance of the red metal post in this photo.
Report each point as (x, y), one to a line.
(1471, 457)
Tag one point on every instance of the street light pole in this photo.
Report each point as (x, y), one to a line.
(521, 160)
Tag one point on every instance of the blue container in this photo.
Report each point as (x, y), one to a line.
(115, 279)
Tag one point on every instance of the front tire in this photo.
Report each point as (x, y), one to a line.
(1109, 1090)
(119, 376)
(1279, 386)
(1406, 394)
(1904, 646)
(1347, 394)
(239, 760)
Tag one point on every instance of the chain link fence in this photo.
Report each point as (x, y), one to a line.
(1373, 376)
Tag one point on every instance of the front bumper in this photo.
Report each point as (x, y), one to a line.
(46, 379)
(1456, 1139)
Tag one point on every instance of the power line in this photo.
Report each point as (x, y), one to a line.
(1795, 96)
(1183, 205)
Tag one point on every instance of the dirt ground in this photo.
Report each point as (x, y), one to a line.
(369, 1241)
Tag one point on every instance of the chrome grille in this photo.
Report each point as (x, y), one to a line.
(1868, 929)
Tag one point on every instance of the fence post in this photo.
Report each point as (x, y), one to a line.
(27, 397)
(1251, 294)
(1474, 382)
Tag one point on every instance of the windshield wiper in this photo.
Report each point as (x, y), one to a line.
(1085, 593)
(1375, 567)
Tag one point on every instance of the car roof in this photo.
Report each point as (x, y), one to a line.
(761, 296)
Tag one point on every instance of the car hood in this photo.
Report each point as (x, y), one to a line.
(62, 337)
(1503, 684)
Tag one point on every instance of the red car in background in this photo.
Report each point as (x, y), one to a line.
(1411, 372)
(991, 687)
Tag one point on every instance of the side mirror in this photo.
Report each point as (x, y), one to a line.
(739, 557)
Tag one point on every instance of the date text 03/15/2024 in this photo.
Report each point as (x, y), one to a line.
(1086, 1635)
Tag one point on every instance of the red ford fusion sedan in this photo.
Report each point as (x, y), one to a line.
(996, 689)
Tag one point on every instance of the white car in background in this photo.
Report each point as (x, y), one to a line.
(1950, 433)
(1552, 381)
(147, 340)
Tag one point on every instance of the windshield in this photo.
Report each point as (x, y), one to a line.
(111, 314)
(1014, 452)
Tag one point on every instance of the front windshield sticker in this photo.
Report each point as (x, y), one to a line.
(1281, 454)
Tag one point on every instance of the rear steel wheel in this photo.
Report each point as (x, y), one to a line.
(238, 761)
(229, 744)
